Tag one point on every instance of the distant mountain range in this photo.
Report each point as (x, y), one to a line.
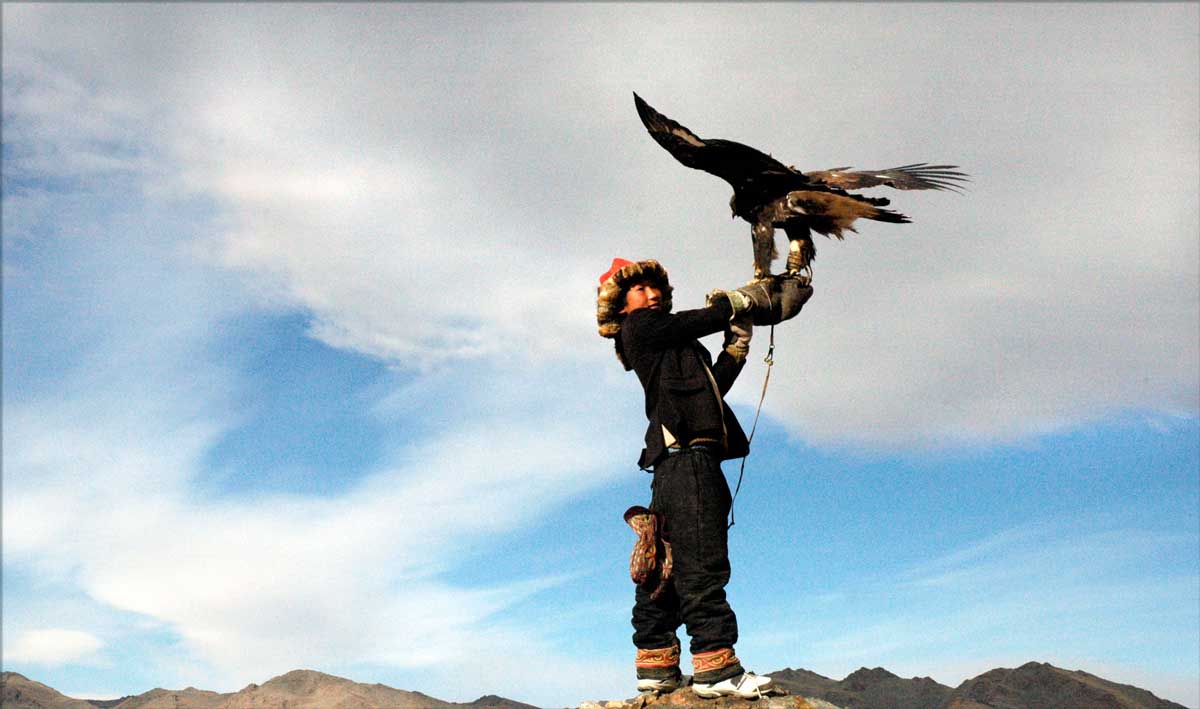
(299, 689)
(1030, 686)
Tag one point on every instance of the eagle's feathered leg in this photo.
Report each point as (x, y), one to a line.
(763, 236)
(801, 250)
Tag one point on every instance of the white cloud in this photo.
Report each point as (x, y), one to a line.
(257, 587)
(53, 646)
(253, 586)
(420, 221)
(448, 210)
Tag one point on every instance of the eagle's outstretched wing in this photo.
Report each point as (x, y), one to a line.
(739, 165)
(918, 176)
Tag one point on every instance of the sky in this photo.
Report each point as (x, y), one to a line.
(300, 363)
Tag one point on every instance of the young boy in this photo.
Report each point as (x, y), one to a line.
(691, 430)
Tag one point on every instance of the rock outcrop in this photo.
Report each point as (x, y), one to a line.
(685, 698)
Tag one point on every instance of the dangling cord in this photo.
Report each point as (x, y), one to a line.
(770, 361)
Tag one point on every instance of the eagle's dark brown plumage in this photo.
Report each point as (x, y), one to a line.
(771, 195)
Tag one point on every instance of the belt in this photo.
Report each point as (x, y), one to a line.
(699, 447)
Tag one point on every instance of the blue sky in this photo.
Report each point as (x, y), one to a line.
(300, 363)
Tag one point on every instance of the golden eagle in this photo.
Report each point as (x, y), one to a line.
(771, 195)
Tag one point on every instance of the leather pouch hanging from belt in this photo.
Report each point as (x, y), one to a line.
(651, 559)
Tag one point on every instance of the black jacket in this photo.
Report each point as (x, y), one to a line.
(684, 389)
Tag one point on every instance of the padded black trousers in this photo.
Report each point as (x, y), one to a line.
(691, 493)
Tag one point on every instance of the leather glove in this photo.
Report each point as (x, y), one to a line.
(738, 301)
(737, 337)
(793, 294)
(755, 296)
(787, 295)
(759, 293)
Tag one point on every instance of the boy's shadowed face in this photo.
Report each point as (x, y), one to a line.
(645, 294)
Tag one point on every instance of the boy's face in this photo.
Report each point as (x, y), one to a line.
(644, 294)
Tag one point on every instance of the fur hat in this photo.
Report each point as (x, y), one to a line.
(610, 296)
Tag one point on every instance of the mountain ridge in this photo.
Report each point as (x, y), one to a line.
(297, 689)
(1034, 685)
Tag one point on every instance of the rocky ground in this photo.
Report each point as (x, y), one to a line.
(687, 699)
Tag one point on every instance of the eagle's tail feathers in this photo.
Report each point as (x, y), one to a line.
(829, 213)
(887, 215)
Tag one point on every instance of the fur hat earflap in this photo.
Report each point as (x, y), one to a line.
(610, 296)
